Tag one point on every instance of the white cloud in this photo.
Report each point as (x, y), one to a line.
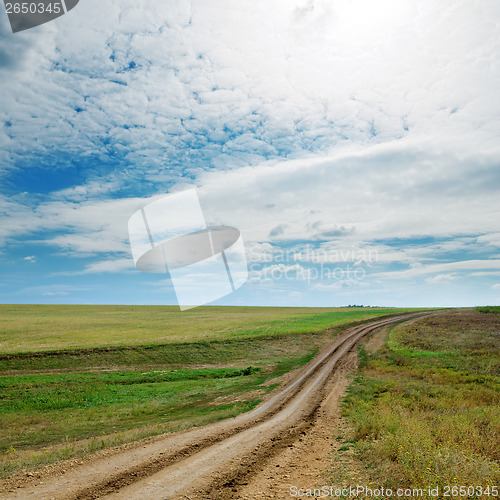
(440, 279)
(419, 269)
(492, 239)
(30, 258)
(91, 190)
(106, 266)
(368, 193)
(403, 189)
(340, 285)
(80, 228)
(142, 82)
(259, 252)
(496, 286)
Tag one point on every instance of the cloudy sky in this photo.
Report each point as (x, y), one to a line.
(354, 143)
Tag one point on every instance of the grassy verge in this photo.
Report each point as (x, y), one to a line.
(241, 352)
(425, 409)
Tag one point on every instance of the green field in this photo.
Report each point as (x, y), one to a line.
(76, 379)
(425, 409)
(32, 328)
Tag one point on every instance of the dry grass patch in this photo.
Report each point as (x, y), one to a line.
(425, 409)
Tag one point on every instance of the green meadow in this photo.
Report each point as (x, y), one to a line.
(33, 328)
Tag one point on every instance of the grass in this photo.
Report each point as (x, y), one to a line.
(425, 409)
(76, 379)
(36, 328)
(489, 309)
(251, 351)
(39, 413)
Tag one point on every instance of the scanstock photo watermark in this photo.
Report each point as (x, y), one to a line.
(332, 266)
(25, 15)
(362, 492)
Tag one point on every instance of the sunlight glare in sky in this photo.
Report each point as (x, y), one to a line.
(362, 22)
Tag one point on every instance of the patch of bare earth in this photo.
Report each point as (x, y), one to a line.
(311, 460)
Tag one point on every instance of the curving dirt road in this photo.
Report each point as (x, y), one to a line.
(214, 461)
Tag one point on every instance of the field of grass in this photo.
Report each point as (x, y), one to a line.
(425, 409)
(76, 379)
(34, 328)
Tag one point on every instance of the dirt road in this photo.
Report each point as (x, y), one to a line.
(217, 461)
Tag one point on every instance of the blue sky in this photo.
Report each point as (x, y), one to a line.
(354, 143)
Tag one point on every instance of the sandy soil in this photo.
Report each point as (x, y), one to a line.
(306, 462)
(285, 441)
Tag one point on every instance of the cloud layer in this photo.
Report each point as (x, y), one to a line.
(333, 124)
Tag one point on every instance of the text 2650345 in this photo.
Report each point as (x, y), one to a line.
(33, 8)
